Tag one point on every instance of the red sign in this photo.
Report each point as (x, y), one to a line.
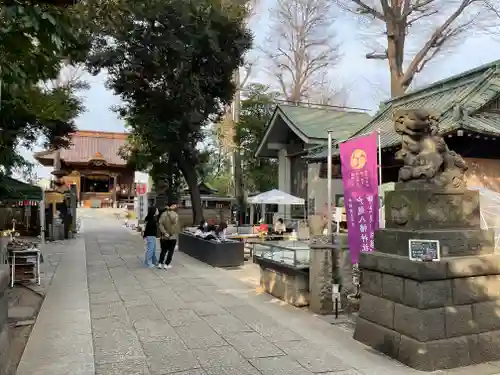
(140, 189)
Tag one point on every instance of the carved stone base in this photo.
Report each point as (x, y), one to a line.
(432, 209)
(321, 272)
(452, 242)
(431, 315)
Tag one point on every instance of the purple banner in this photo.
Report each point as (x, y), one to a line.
(360, 178)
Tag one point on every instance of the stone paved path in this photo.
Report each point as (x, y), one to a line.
(189, 320)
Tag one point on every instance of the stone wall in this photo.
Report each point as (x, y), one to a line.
(431, 315)
(285, 283)
(4, 328)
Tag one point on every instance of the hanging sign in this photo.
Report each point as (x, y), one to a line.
(360, 178)
(140, 189)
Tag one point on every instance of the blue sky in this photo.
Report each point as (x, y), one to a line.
(367, 82)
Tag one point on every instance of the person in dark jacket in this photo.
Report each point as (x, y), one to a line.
(149, 234)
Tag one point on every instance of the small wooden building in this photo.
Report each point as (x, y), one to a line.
(92, 162)
(291, 132)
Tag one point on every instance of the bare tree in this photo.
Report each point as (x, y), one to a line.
(70, 77)
(414, 32)
(301, 46)
(325, 92)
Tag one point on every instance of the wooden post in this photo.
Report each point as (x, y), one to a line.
(115, 203)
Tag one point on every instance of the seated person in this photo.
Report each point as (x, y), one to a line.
(220, 232)
(279, 227)
(202, 229)
(209, 233)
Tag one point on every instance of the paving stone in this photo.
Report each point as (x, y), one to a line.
(61, 368)
(169, 303)
(221, 356)
(104, 297)
(128, 286)
(197, 371)
(200, 335)
(127, 367)
(252, 345)
(247, 369)
(246, 314)
(142, 300)
(201, 281)
(273, 331)
(312, 357)
(226, 323)
(101, 287)
(226, 300)
(181, 317)
(168, 364)
(168, 347)
(349, 372)
(279, 366)
(193, 295)
(206, 308)
(117, 346)
(99, 311)
(154, 330)
(74, 347)
(136, 313)
(107, 326)
(151, 282)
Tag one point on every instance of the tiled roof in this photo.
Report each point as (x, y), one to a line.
(457, 100)
(315, 122)
(470, 91)
(88, 145)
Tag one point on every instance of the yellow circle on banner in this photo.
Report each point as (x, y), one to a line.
(358, 159)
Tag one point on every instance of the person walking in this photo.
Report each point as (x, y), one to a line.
(149, 234)
(170, 229)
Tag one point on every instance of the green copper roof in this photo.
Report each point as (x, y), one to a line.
(315, 122)
(457, 100)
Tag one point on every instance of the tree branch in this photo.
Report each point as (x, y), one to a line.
(366, 9)
(431, 43)
(377, 55)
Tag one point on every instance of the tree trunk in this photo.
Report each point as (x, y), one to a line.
(189, 172)
(395, 56)
(239, 188)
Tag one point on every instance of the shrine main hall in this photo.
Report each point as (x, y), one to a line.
(92, 163)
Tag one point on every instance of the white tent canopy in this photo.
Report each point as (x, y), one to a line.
(276, 197)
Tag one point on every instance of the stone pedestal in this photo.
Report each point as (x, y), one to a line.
(432, 315)
(328, 261)
(321, 274)
(285, 282)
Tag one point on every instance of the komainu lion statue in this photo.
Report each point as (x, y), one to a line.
(426, 157)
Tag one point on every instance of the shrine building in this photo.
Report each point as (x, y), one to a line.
(92, 163)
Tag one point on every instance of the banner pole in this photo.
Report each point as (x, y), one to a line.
(381, 218)
(329, 185)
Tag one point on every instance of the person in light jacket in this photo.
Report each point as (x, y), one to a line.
(169, 228)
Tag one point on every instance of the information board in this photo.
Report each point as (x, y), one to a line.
(424, 250)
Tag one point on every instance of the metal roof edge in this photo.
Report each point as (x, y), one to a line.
(493, 65)
(268, 130)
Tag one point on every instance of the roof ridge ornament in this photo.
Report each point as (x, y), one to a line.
(98, 160)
